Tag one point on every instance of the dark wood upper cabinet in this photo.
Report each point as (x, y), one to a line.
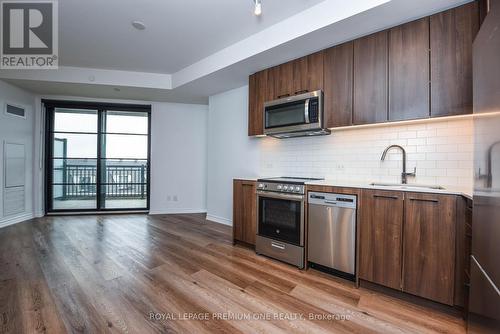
(244, 211)
(370, 79)
(257, 95)
(451, 35)
(282, 79)
(409, 71)
(338, 87)
(381, 226)
(417, 70)
(429, 246)
(308, 73)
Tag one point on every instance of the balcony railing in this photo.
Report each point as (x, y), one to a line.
(123, 181)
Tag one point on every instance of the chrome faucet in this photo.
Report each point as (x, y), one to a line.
(404, 174)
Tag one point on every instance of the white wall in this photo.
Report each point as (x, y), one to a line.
(231, 153)
(178, 158)
(442, 151)
(17, 130)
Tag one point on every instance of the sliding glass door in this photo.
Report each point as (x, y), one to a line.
(97, 157)
(124, 160)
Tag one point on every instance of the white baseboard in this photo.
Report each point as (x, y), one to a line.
(15, 219)
(220, 220)
(171, 211)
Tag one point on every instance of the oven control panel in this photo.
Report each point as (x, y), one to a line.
(281, 187)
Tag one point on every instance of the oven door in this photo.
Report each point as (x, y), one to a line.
(281, 217)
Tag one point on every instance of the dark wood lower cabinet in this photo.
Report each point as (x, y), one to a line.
(244, 211)
(408, 242)
(463, 251)
(429, 246)
(381, 223)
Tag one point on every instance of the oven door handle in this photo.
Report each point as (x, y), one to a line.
(278, 245)
(279, 195)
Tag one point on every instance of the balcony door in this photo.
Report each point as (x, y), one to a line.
(97, 157)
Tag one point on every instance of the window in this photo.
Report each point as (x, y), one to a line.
(97, 157)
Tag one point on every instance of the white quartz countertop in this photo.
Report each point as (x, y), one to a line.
(366, 185)
(251, 178)
(448, 190)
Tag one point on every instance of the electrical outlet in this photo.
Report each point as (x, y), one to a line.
(169, 198)
(175, 198)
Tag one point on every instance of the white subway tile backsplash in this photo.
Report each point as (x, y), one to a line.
(407, 134)
(441, 151)
(417, 141)
(426, 133)
(447, 148)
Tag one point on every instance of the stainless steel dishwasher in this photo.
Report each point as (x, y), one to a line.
(331, 238)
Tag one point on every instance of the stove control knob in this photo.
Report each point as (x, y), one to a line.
(279, 187)
(285, 188)
(297, 189)
(261, 186)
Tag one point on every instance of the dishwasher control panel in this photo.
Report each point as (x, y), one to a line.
(330, 199)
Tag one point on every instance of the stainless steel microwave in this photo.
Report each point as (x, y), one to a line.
(295, 116)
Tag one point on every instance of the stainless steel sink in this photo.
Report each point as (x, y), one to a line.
(407, 186)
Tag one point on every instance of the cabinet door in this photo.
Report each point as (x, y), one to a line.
(257, 95)
(282, 77)
(244, 211)
(429, 246)
(381, 222)
(409, 71)
(452, 33)
(338, 77)
(308, 73)
(370, 79)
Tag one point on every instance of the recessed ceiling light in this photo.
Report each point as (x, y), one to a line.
(138, 25)
(258, 7)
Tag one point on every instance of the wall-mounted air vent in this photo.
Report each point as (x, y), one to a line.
(13, 110)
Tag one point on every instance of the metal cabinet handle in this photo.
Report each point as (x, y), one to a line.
(284, 95)
(424, 200)
(384, 196)
(301, 92)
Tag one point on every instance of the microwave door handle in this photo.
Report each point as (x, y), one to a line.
(306, 111)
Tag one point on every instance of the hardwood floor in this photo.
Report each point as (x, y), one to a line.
(177, 274)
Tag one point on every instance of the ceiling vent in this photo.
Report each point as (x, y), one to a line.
(14, 110)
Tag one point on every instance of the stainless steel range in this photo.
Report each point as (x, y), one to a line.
(280, 227)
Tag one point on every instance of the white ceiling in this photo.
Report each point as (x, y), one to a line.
(99, 34)
(192, 49)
